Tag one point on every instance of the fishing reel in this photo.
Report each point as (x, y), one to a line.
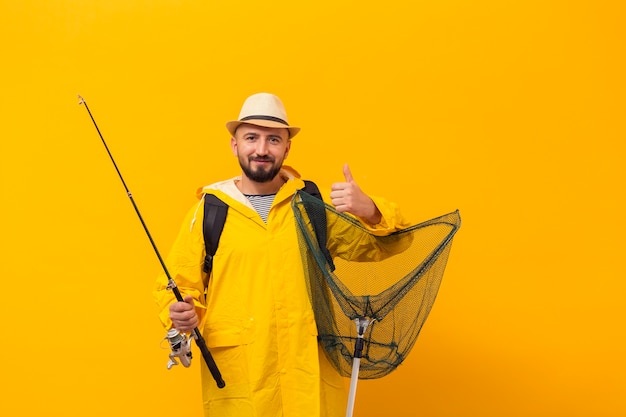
(180, 344)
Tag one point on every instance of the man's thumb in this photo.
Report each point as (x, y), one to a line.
(189, 299)
(347, 174)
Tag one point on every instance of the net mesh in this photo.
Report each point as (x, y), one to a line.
(391, 281)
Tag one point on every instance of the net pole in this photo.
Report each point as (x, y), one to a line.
(354, 379)
(361, 325)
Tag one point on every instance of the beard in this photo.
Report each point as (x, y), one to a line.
(260, 174)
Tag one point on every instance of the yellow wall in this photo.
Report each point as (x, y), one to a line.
(511, 111)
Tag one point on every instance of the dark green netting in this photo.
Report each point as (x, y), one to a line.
(391, 281)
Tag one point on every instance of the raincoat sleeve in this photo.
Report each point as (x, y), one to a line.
(391, 220)
(351, 243)
(184, 264)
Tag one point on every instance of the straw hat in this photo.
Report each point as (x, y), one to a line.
(263, 109)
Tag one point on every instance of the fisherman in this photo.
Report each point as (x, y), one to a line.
(253, 308)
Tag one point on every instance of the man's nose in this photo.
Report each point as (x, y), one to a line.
(261, 147)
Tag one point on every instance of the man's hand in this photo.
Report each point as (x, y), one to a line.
(183, 315)
(348, 197)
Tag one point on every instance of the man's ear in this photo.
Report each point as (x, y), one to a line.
(287, 148)
(233, 145)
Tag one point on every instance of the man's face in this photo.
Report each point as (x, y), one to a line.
(260, 150)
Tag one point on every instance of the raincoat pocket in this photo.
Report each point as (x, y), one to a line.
(230, 333)
(230, 344)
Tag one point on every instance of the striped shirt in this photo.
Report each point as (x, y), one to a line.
(261, 203)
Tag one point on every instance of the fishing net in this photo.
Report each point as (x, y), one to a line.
(370, 294)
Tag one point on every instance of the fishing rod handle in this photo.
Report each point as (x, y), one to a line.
(208, 359)
(200, 342)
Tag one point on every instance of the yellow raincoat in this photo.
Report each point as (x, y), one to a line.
(256, 317)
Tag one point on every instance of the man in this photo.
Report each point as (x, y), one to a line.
(254, 313)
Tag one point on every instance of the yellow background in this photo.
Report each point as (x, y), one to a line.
(511, 111)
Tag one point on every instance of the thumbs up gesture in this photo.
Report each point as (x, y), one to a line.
(348, 197)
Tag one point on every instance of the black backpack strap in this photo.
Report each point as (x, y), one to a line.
(319, 227)
(311, 188)
(214, 218)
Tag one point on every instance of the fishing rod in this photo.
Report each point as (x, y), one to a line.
(177, 341)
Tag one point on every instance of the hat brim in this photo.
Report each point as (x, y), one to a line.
(234, 124)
